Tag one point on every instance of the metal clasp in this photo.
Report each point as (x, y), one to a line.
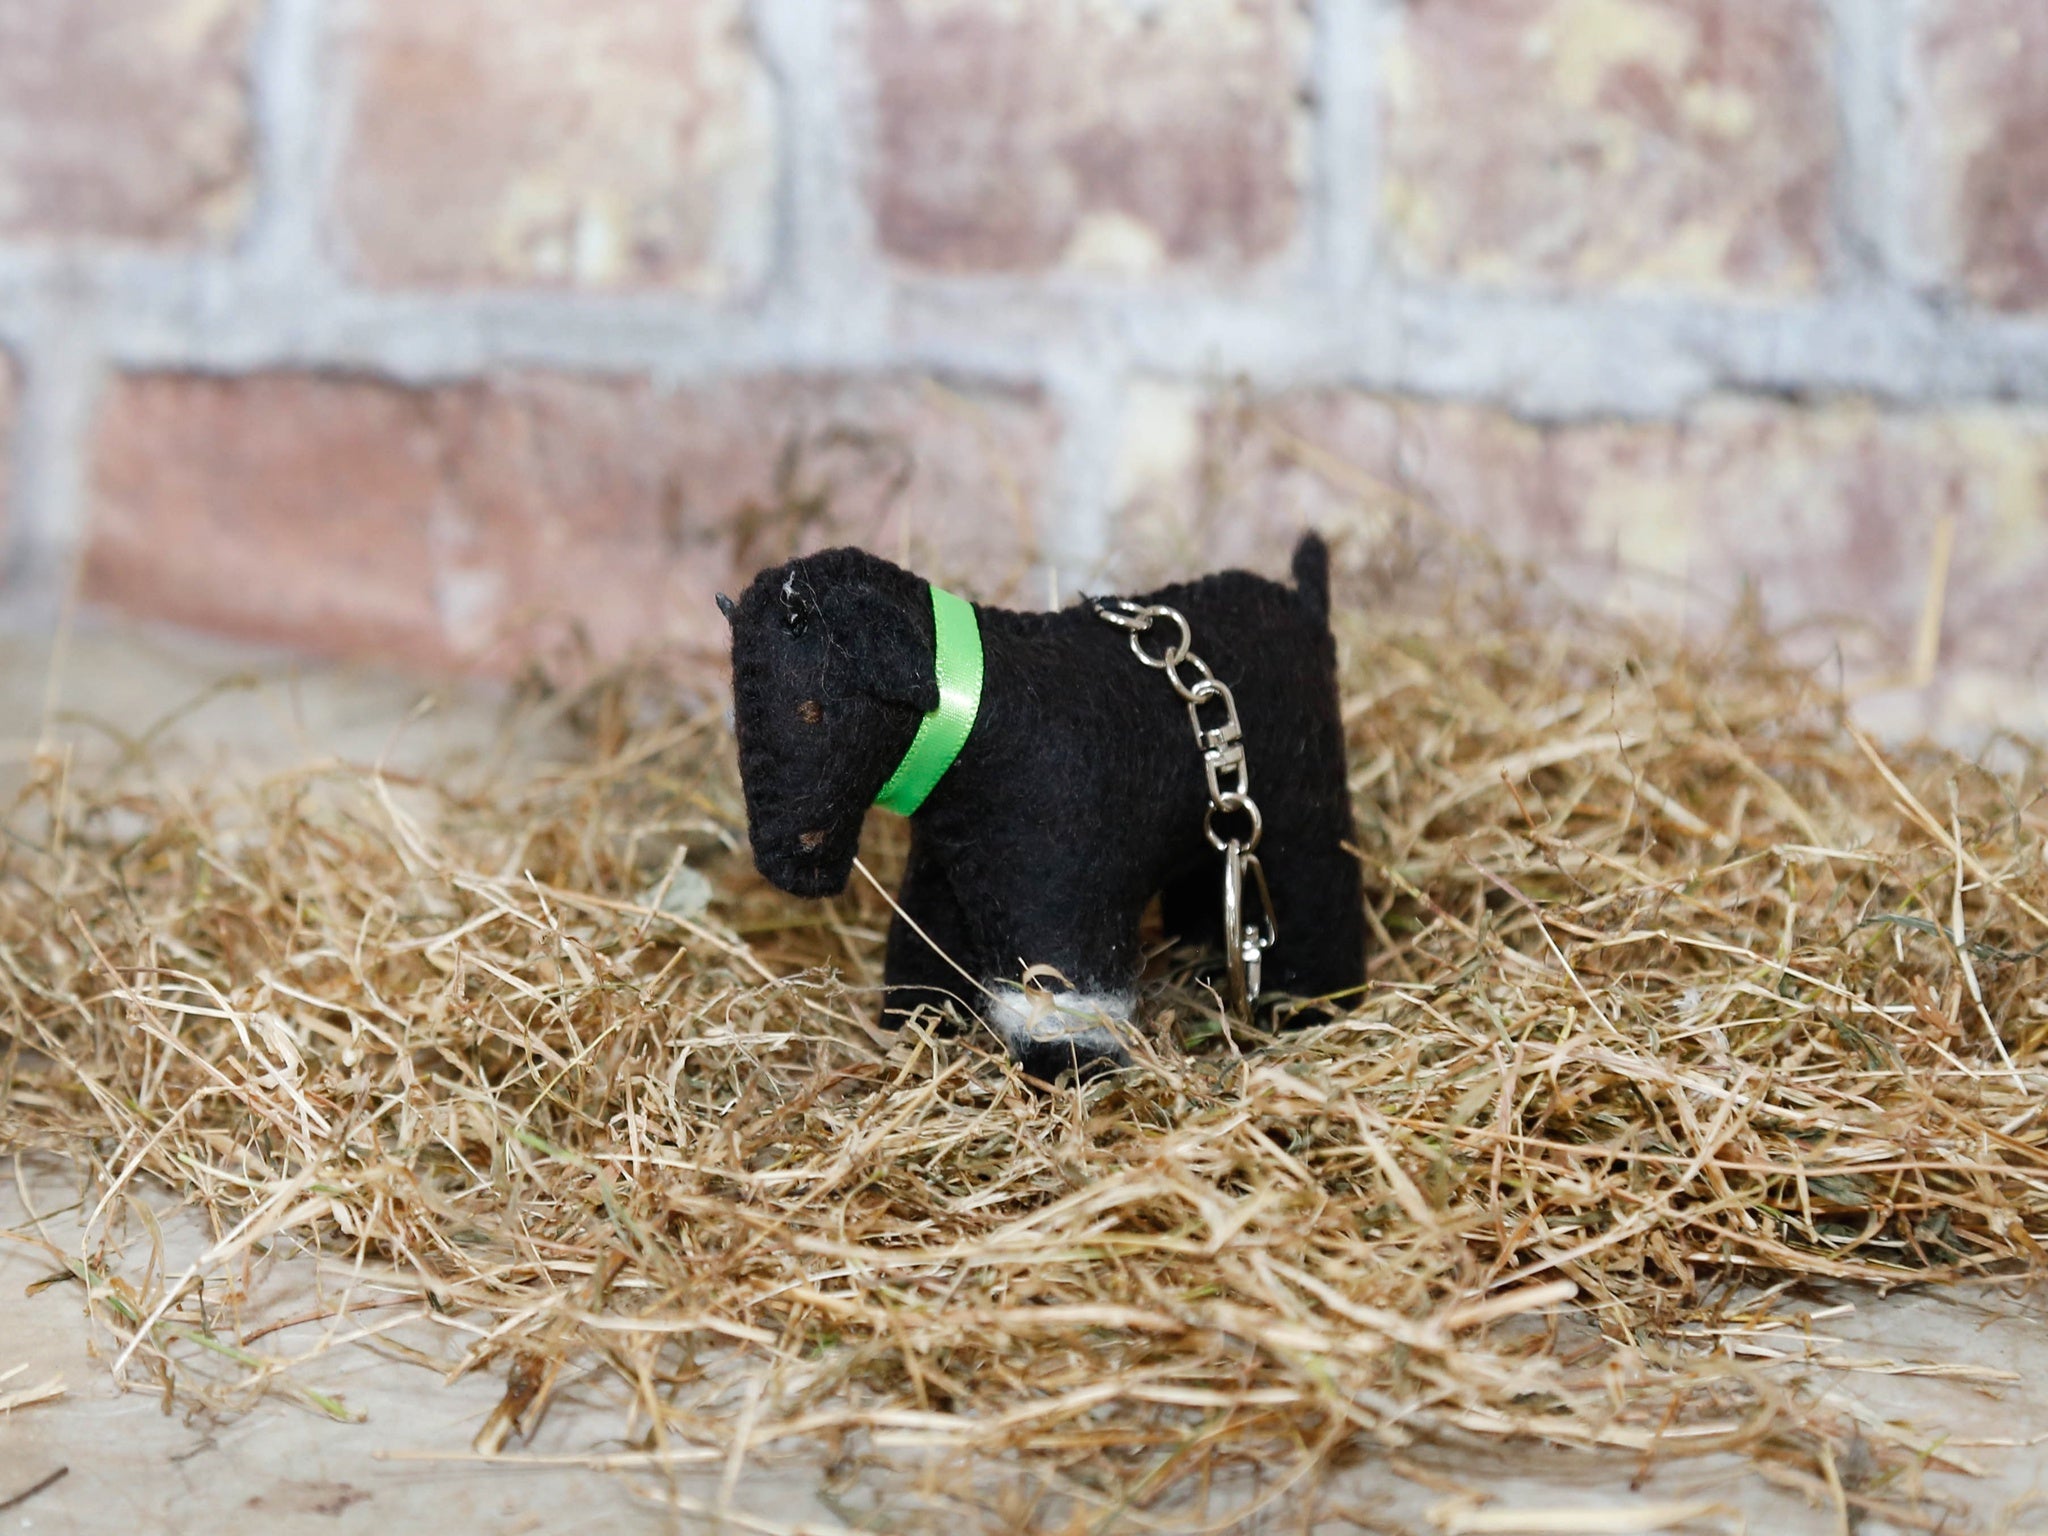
(1246, 937)
(1248, 926)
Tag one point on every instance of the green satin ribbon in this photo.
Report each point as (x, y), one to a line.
(943, 732)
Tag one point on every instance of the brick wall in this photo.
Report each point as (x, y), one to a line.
(447, 332)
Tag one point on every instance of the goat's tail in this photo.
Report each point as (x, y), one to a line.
(1312, 575)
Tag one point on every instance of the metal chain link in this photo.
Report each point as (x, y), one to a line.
(1246, 937)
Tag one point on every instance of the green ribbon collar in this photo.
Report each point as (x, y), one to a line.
(943, 732)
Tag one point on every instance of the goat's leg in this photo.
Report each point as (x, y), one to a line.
(914, 973)
(1318, 909)
(1191, 905)
(1062, 990)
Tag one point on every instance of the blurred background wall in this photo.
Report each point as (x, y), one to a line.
(446, 332)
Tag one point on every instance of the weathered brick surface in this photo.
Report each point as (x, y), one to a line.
(1106, 135)
(1827, 514)
(591, 145)
(1983, 138)
(1229, 480)
(1211, 159)
(1673, 143)
(125, 121)
(1830, 514)
(477, 524)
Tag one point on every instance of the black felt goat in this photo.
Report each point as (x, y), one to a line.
(1077, 797)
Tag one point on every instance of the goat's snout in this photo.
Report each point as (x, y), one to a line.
(831, 675)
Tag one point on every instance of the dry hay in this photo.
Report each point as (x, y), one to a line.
(1682, 989)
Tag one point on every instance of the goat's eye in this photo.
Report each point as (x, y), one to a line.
(810, 712)
(795, 620)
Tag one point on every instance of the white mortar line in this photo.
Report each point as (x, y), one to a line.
(1089, 399)
(1346, 189)
(1647, 353)
(293, 114)
(829, 291)
(1872, 186)
(1917, 232)
(62, 374)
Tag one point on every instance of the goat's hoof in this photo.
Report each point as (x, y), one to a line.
(1053, 1034)
(1086, 1056)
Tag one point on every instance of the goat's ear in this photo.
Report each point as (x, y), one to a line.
(892, 653)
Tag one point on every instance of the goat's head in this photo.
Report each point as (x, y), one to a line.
(832, 671)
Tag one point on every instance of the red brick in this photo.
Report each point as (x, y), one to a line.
(125, 121)
(479, 524)
(1684, 144)
(1982, 134)
(1828, 514)
(623, 145)
(292, 509)
(1092, 134)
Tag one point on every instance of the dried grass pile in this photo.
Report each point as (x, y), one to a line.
(1682, 986)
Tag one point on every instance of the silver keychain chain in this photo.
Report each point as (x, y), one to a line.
(1246, 935)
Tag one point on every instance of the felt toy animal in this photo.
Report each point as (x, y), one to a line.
(1053, 782)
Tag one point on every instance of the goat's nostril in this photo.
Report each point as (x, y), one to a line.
(812, 841)
(809, 712)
